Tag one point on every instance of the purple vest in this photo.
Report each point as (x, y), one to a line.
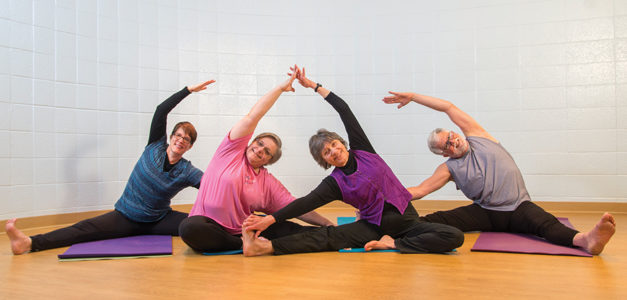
(371, 186)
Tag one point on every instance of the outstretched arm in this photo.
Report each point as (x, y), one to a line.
(248, 123)
(327, 191)
(439, 178)
(357, 138)
(464, 121)
(315, 218)
(160, 118)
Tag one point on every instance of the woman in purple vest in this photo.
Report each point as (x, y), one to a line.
(362, 179)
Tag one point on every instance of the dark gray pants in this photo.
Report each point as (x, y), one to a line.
(206, 235)
(410, 235)
(526, 218)
(108, 226)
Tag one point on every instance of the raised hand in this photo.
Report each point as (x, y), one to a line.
(302, 79)
(201, 86)
(401, 98)
(287, 85)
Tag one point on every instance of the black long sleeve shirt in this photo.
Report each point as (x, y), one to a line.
(160, 122)
(328, 190)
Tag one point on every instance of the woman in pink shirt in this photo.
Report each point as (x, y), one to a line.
(236, 184)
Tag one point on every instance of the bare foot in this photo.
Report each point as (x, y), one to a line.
(595, 240)
(386, 242)
(255, 246)
(20, 243)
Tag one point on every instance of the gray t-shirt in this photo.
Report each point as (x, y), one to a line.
(488, 175)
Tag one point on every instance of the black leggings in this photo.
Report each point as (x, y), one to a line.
(108, 226)
(526, 218)
(206, 235)
(410, 235)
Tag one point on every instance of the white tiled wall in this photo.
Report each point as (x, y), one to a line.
(79, 81)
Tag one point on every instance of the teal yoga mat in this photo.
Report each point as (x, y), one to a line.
(230, 252)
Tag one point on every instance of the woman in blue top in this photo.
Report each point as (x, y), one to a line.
(144, 207)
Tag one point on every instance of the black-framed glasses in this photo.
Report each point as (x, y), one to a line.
(449, 141)
(185, 139)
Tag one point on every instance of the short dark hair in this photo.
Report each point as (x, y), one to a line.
(316, 144)
(188, 128)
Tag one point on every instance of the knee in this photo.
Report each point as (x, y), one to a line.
(189, 231)
(454, 236)
(184, 227)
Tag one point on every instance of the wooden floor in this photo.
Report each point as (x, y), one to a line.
(328, 275)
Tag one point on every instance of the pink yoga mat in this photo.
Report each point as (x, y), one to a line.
(524, 243)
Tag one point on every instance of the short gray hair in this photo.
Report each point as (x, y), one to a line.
(277, 141)
(316, 144)
(433, 140)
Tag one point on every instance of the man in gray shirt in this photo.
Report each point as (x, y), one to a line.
(487, 174)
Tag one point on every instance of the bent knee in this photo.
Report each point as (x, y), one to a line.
(454, 236)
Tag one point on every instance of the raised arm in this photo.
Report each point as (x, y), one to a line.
(160, 118)
(248, 123)
(357, 138)
(464, 121)
(439, 178)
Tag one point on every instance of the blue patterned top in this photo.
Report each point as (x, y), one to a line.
(150, 189)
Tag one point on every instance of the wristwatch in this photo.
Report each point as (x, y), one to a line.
(317, 86)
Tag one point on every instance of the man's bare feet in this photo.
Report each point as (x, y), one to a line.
(20, 243)
(255, 246)
(595, 240)
(386, 242)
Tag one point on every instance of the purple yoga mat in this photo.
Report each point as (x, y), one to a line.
(139, 245)
(524, 243)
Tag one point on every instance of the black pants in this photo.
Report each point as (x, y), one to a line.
(108, 226)
(410, 235)
(206, 235)
(526, 218)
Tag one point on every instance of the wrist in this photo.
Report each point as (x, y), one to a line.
(316, 87)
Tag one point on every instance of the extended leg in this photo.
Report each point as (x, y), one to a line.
(108, 226)
(169, 225)
(465, 218)
(530, 218)
(326, 238)
(285, 228)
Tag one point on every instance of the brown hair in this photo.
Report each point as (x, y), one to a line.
(188, 128)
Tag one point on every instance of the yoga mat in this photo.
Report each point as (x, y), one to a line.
(362, 250)
(348, 220)
(524, 243)
(345, 220)
(111, 257)
(132, 246)
(230, 252)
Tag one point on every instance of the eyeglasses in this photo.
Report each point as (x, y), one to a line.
(449, 141)
(266, 150)
(185, 139)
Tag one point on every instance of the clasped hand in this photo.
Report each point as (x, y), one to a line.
(257, 223)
